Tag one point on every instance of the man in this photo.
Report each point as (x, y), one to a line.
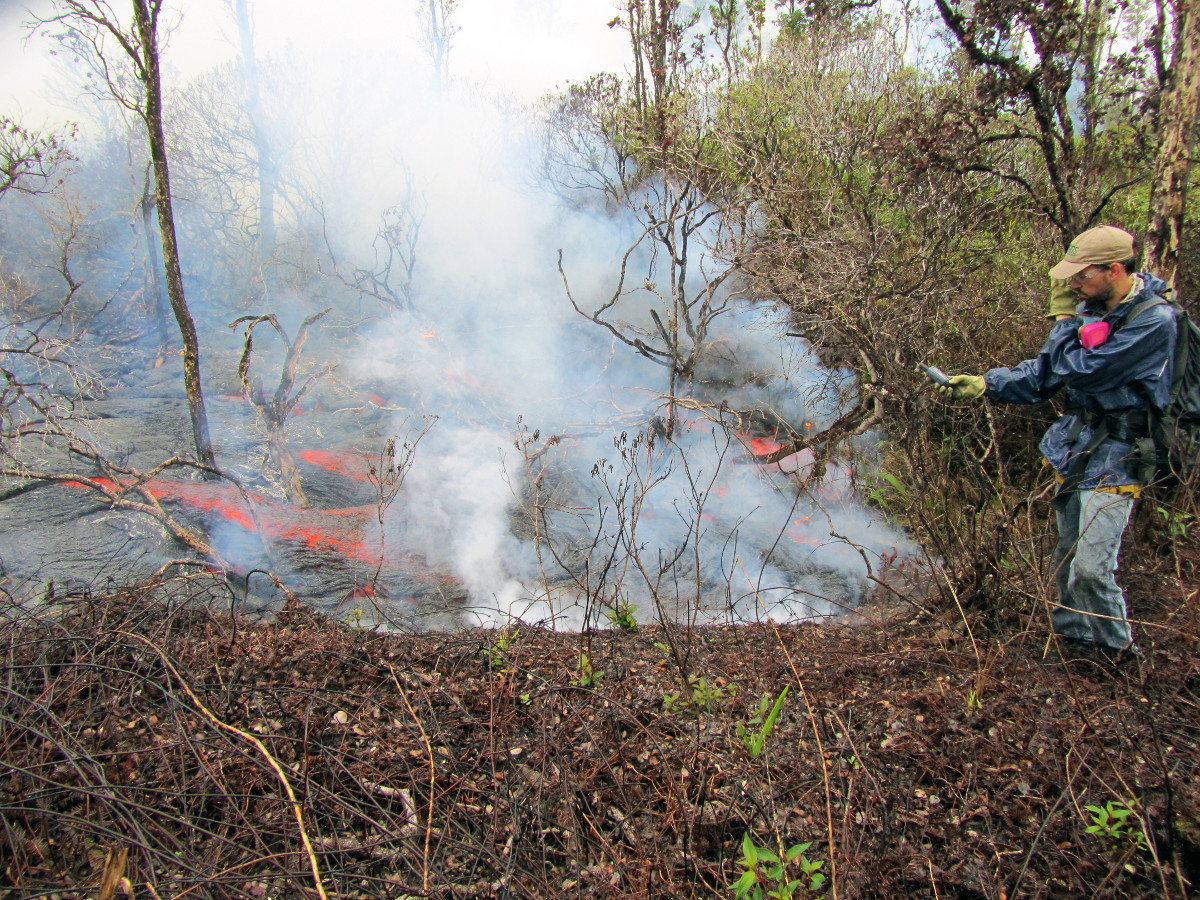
(1108, 388)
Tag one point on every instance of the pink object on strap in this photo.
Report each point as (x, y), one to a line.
(1093, 334)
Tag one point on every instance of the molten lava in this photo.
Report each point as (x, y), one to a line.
(761, 446)
(352, 465)
(339, 531)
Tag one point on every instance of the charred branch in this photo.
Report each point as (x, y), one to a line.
(120, 487)
(272, 414)
(389, 277)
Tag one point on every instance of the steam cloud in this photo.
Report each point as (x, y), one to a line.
(493, 348)
(493, 341)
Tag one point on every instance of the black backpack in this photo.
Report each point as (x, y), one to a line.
(1171, 452)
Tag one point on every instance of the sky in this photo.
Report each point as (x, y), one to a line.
(522, 48)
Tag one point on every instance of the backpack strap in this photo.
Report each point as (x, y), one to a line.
(1145, 305)
(1155, 416)
(1182, 347)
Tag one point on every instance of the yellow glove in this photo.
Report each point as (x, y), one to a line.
(965, 387)
(1063, 299)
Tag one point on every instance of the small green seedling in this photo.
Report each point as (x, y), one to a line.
(699, 693)
(1112, 821)
(1175, 521)
(621, 616)
(885, 485)
(495, 650)
(766, 875)
(768, 714)
(585, 675)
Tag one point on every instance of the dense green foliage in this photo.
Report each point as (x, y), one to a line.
(904, 203)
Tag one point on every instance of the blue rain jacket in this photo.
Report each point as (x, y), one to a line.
(1103, 380)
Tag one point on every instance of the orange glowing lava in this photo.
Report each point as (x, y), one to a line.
(764, 446)
(334, 530)
(352, 465)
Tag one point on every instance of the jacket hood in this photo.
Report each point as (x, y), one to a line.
(1154, 286)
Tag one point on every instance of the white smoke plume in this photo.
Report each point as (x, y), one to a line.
(494, 341)
(494, 349)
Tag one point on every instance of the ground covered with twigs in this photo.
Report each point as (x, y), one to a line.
(920, 754)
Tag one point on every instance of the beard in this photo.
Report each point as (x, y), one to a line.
(1098, 303)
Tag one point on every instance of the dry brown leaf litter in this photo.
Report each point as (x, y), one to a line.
(476, 765)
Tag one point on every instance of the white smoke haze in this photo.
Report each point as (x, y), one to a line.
(495, 340)
(494, 349)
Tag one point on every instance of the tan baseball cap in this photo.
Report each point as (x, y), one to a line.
(1095, 247)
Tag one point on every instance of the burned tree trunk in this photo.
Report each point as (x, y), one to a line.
(154, 265)
(1178, 117)
(94, 22)
(272, 414)
(146, 22)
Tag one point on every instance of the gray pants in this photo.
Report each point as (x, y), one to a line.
(1091, 606)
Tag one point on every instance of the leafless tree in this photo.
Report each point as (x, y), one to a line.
(388, 277)
(273, 413)
(248, 223)
(29, 158)
(96, 25)
(677, 221)
(435, 18)
(387, 473)
(586, 156)
(640, 146)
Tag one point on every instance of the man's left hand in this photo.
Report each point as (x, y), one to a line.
(965, 387)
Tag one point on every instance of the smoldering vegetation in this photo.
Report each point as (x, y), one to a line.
(452, 442)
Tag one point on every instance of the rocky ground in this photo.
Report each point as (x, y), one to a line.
(918, 753)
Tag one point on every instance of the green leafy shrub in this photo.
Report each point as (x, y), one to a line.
(766, 875)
